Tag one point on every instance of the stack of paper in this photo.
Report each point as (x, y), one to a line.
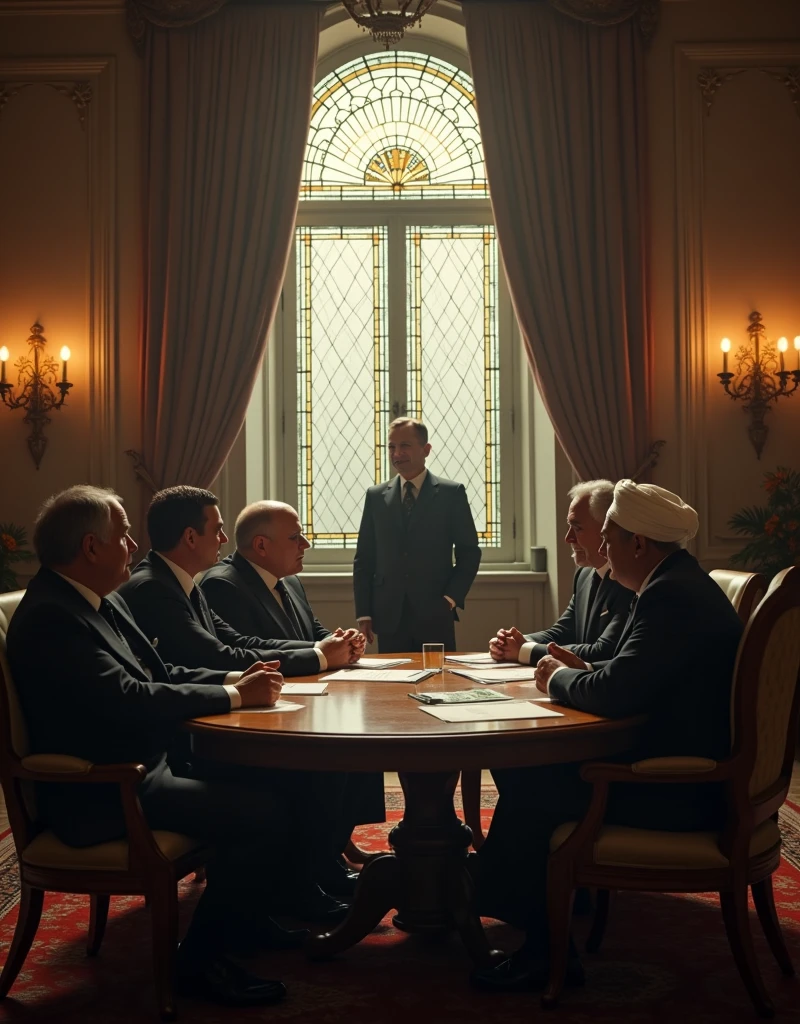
(281, 705)
(459, 696)
(497, 675)
(490, 712)
(305, 689)
(471, 659)
(383, 675)
(379, 663)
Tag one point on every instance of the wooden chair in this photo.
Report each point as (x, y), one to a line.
(148, 863)
(743, 589)
(765, 708)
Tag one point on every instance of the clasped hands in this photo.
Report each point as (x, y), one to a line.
(506, 645)
(343, 647)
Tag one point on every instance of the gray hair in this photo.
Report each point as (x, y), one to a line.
(600, 494)
(252, 520)
(65, 519)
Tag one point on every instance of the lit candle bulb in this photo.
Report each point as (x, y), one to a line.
(65, 354)
(4, 360)
(725, 345)
(797, 349)
(783, 345)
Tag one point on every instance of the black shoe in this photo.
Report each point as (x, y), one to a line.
(221, 980)
(522, 972)
(337, 880)
(313, 904)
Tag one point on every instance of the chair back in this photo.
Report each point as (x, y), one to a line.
(19, 795)
(766, 695)
(743, 589)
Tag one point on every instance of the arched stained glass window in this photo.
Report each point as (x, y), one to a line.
(395, 125)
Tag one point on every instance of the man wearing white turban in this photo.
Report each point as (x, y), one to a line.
(673, 662)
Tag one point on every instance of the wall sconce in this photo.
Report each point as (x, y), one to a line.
(37, 376)
(760, 377)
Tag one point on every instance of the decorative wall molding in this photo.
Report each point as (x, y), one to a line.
(79, 92)
(715, 64)
(711, 80)
(90, 82)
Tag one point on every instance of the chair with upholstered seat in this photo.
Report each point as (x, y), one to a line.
(148, 863)
(743, 589)
(765, 707)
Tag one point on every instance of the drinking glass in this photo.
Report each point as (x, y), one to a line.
(433, 656)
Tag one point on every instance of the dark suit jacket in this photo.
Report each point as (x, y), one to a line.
(84, 693)
(238, 595)
(674, 661)
(592, 633)
(163, 611)
(392, 563)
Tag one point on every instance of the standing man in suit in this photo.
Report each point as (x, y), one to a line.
(677, 651)
(96, 689)
(407, 586)
(186, 533)
(595, 616)
(257, 590)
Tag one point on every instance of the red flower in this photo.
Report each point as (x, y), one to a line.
(8, 542)
(771, 525)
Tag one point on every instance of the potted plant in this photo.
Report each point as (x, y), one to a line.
(12, 549)
(774, 528)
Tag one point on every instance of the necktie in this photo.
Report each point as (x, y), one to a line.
(107, 611)
(197, 604)
(289, 609)
(594, 586)
(409, 500)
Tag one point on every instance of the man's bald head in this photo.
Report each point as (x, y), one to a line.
(270, 534)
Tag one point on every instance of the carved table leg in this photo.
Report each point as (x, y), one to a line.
(426, 878)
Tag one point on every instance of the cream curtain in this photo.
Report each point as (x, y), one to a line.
(227, 111)
(561, 110)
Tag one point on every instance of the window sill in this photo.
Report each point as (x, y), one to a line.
(522, 574)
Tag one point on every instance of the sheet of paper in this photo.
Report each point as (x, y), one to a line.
(383, 675)
(497, 675)
(377, 663)
(472, 659)
(489, 712)
(305, 689)
(282, 705)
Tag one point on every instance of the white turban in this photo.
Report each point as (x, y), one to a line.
(652, 512)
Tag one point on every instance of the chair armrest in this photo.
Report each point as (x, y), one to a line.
(65, 768)
(659, 769)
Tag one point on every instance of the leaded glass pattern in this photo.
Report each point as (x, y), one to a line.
(396, 125)
(453, 361)
(342, 378)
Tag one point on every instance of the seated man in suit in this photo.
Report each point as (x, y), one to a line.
(256, 590)
(96, 689)
(598, 608)
(674, 662)
(186, 533)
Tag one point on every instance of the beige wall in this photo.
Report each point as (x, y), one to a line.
(724, 239)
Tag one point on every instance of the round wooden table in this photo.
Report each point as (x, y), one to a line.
(377, 727)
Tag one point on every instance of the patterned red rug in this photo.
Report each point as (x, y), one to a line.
(665, 960)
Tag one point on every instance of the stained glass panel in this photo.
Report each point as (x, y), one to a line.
(396, 125)
(342, 379)
(453, 360)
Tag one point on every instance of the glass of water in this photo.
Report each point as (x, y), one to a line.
(433, 656)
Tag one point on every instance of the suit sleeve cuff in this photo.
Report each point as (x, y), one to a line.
(525, 653)
(551, 677)
(364, 618)
(323, 661)
(232, 692)
(449, 600)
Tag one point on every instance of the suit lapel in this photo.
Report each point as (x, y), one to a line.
(295, 588)
(141, 647)
(426, 501)
(263, 595)
(582, 609)
(160, 569)
(394, 503)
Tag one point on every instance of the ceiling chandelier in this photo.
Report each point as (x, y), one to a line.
(387, 20)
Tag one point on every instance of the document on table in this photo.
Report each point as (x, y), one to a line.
(472, 659)
(281, 705)
(497, 675)
(383, 675)
(378, 663)
(490, 712)
(305, 689)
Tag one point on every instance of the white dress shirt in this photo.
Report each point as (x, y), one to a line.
(271, 582)
(188, 585)
(417, 481)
